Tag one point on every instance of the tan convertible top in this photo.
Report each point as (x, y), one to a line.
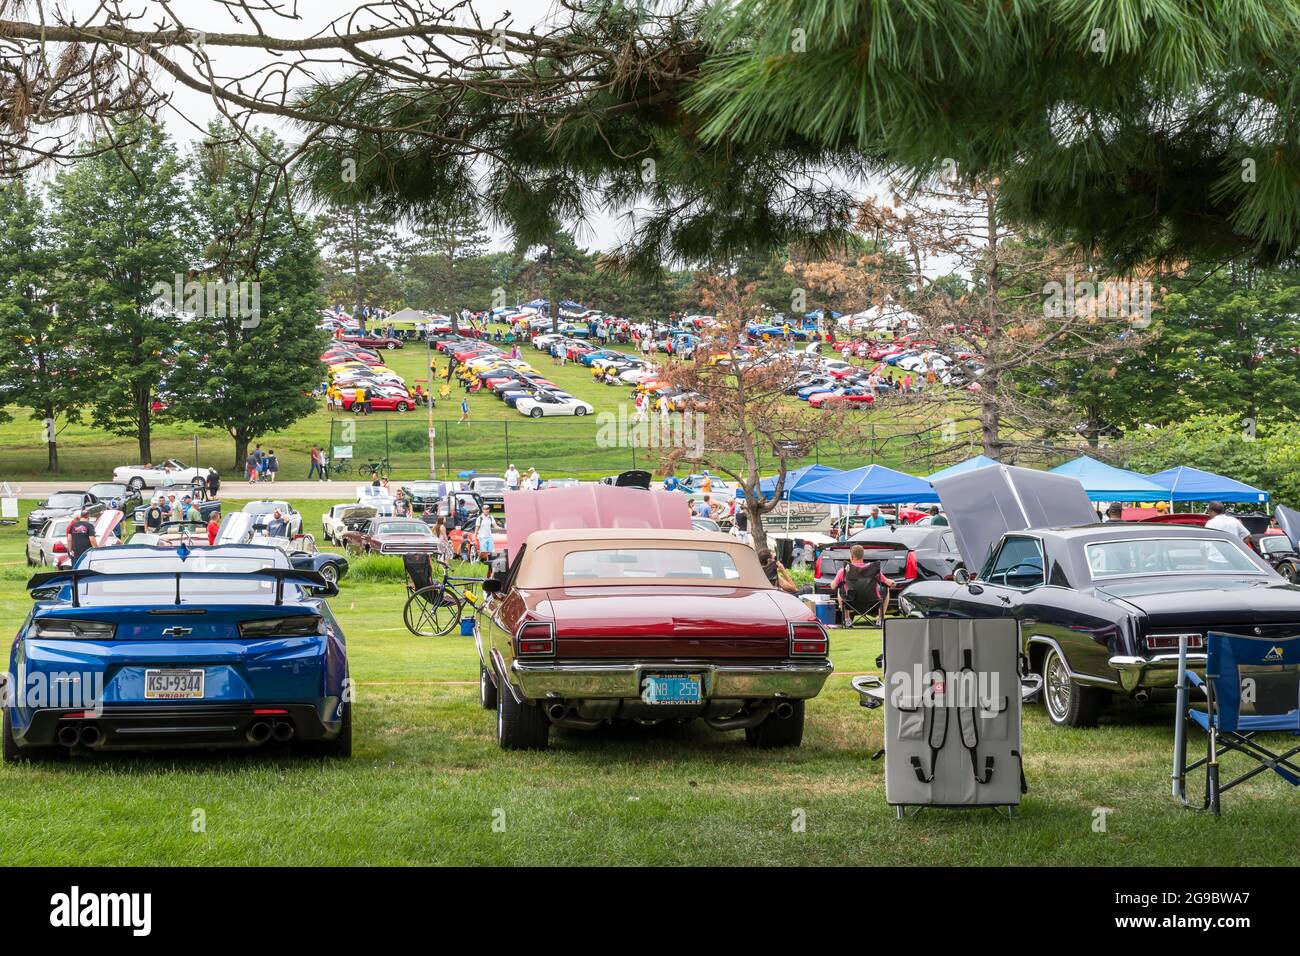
(542, 563)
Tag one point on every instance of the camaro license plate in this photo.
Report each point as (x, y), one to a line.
(671, 689)
(173, 684)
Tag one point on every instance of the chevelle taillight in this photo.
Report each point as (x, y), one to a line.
(1169, 642)
(808, 639)
(535, 639)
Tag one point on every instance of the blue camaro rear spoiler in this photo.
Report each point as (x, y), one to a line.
(75, 576)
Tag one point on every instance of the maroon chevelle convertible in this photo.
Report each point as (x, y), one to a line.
(614, 609)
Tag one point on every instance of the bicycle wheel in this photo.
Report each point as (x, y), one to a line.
(432, 612)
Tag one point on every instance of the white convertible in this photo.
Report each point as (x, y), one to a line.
(170, 472)
(551, 403)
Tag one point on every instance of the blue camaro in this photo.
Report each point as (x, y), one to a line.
(141, 647)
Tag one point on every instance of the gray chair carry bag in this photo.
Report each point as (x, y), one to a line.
(952, 697)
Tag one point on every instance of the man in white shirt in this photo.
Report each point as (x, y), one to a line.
(512, 478)
(1221, 521)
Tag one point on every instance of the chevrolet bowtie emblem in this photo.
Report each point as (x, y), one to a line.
(178, 631)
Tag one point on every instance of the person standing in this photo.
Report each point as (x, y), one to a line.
(359, 403)
(875, 519)
(214, 483)
(153, 516)
(1220, 520)
(483, 529)
(315, 471)
(277, 527)
(81, 536)
(250, 468)
(214, 525)
(272, 465)
(464, 411)
(512, 478)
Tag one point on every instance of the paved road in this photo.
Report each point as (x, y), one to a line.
(336, 490)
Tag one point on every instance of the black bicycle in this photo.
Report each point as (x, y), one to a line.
(435, 607)
(377, 466)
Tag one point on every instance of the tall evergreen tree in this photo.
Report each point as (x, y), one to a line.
(250, 367)
(38, 343)
(360, 245)
(122, 226)
(447, 260)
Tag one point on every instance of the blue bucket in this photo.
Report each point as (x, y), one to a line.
(467, 627)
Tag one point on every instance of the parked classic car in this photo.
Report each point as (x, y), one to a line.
(264, 511)
(424, 495)
(62, 504)
(195, 650)
(46, 545)
(108, 530)
(242, 528)
(170, 472)
(334, 522)
(613, 608)
(906, 553)
(1101, 606)
(383, 535)
(118, 495)
(490, 490)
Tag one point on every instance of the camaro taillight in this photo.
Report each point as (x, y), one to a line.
(67, 630)
(808, 639)
(1169, 642)
(301, 625)
(909, 569)
(535, 639)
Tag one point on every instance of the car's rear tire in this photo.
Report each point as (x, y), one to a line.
(14, 754)
(487, 691)
(579, 411)
(136, 484)
(520, 726)
(535, 413)
(330, 573)
(1067, 702)
(778, 731)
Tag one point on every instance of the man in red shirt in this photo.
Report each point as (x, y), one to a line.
(214, 524)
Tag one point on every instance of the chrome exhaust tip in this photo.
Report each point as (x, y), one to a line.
(283, 731)
(556, 711)
(784, 710)
(69, 735)
(1141, 696)
(90, 735)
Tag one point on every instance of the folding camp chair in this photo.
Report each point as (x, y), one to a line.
(859, 596)
(1251, 687)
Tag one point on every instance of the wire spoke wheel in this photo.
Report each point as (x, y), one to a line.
(432, 612)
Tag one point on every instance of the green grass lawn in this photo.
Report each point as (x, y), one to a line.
(427, 784)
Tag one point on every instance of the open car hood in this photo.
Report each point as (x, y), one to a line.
(106, 524)
(1288, 519)
(592, 506)
(236, 528)
(983, 504)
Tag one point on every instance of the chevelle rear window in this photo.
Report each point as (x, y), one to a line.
(403, 527)
(629, 564)
(1167, 556)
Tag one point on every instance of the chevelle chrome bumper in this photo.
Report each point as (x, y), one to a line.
(1158, 670)
(591, 680)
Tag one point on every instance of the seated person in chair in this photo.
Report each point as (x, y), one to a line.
(857, 586)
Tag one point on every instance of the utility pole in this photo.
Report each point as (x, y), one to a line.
(433, 444)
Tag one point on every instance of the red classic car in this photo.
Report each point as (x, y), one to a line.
(373, 341)
(388, 535)
(612, 608)
(379, 401)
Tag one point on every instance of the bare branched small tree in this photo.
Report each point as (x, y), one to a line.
(751, 427)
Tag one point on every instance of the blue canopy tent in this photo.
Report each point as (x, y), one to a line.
(1105, 482)
(869, 485)
(1192, 484)
(979, 461)
(794, 480)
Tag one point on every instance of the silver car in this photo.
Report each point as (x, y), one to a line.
(51, 541)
